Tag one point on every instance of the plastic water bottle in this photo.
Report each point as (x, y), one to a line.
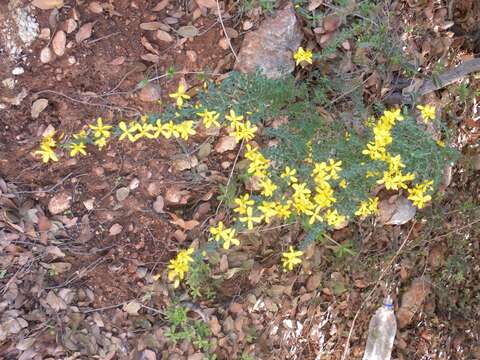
(381, 333)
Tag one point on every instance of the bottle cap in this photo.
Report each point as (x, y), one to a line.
(388, 302)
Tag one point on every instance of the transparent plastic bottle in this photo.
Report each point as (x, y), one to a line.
(381, 333)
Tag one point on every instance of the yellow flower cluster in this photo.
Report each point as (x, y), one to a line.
(417, 194)
(368, 207)
(47, 149)
(179, 266)
(220, 233)
(393, 178)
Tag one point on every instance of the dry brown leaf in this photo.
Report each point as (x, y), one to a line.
(161, 5)
(118, 61)
(175, 195)
(186, 225)
(84, 32)
(185, 163)
(37, 107)
(151, 26)
(226, 143)
(412, 300)
(188, 31)
(48, 4)
(150, 58)
(147, 45)
(55, 302)
(70, 26)
(59, 203)
(59, 42)
(207, 3)
(313, 4)
(331, 22)
(164, 36)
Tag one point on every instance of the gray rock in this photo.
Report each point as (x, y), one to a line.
(271, 47)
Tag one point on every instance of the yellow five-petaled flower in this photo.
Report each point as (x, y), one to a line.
(427, 111)
(291, 258)
(303, 55)
(77, 148)
(100, 130)
(180, 95)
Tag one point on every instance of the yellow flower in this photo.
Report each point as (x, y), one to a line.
(302, 204)
(368, 207)
(81, 135)
(268, 209)
(100, 130)
(324, 196)
(244, 131)
(334, 218)
(219, 232)
(209, 118)
(314, 215)
(185, 129)
(100, 142)
(249, 219)
(343, 184)
(229, 239)
(375, 151)
(168, 130)
(394, 180)
(243, 202)
(127, 131)
(268, 187)
(283, 210)
(234, 119)
(291, 258)
(47, 153)
(289, 174)
(77, 148)
(144, 131)
(301, 190)
(427, 111)
(180, 95)
(303, 55)
(334, 168)
(417, 194)
(179, 266)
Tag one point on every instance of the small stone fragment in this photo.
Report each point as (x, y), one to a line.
(59, 42)
(150, 93)
(115, 229)
(122, 193)
(18, 70)
(38, 106)
(46, 55)
(134, 184)
(159, 204)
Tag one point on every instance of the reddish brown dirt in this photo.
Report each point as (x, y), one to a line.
(147, 238)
